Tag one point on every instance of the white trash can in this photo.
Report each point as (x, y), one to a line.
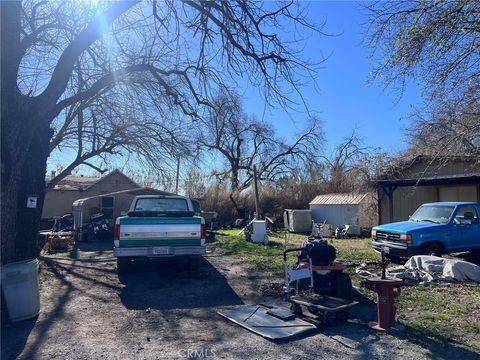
(20, 289)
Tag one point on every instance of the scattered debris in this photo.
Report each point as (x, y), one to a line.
(424, 269)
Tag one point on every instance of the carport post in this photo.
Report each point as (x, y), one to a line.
(388, 190)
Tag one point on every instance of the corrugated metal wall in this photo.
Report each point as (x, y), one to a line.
(407, 199)
(337, 215)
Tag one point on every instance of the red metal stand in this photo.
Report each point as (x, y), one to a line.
(385, 301)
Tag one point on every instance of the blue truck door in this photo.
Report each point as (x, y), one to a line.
(467, 228)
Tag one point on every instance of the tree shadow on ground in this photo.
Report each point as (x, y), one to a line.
(102, 247)
(17, 334)
(170, 283)
(14, 337)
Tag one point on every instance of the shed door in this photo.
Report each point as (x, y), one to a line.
(458, 193)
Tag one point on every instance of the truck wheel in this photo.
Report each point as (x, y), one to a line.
(432, 250)
(124, 264)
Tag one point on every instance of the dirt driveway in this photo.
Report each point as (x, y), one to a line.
(167, 310)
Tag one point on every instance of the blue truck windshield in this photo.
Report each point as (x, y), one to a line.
(161, 204)
(434, 214)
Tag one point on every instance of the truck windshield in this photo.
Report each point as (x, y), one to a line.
(161, 204)
(434, 214)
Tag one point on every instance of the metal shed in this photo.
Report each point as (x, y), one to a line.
(356, 210)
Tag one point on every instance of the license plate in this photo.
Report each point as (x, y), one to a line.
(386, 250)
(160, 251)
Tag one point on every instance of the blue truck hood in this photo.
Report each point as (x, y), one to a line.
(404, 227)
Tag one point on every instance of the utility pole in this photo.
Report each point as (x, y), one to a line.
(255, 187)
(178, 175)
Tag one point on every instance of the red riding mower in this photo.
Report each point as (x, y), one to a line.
(317, 282)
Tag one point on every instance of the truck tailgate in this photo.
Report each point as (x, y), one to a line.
(158, 231)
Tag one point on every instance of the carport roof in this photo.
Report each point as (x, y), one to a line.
(136, 191)
(338, 199)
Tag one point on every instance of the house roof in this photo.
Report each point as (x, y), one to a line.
(396, 171)
(338, 199)
(74, 183)
(81, 183)
(459, 179)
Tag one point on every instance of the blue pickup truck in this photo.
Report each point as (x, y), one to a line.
(434, 229)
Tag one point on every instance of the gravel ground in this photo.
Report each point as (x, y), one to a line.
(167, 310)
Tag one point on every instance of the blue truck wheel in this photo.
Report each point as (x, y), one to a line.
(432, 249)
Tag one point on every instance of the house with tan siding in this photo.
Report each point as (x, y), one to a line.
(59, 200)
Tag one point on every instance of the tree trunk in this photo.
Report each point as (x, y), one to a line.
(25, 147)
(234, 179)
(232, 199)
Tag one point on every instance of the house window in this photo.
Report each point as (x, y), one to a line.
(107, 207)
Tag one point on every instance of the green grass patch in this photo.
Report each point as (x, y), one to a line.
(355, 250)
(263, 257)
(348, 250)
(270, 256)
(441, 312)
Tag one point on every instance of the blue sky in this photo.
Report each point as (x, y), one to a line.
(343, 100)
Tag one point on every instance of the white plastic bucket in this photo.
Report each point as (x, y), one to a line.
(20, 289)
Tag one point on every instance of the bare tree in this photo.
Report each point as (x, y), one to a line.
(434, 42)
(241, 141)
(437, 44)
(350, 168)
(118, 128)
(55, 55)
(449, 127)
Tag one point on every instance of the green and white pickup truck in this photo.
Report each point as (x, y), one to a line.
(158, 226)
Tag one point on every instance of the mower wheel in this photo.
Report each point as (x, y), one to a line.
(342, 315)
(326, 317)
(344, 286)
(296, 309)
(313, 310)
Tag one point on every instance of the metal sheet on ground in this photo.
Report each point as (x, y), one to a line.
(256, 319)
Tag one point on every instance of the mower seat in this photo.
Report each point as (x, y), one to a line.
(322, 254)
